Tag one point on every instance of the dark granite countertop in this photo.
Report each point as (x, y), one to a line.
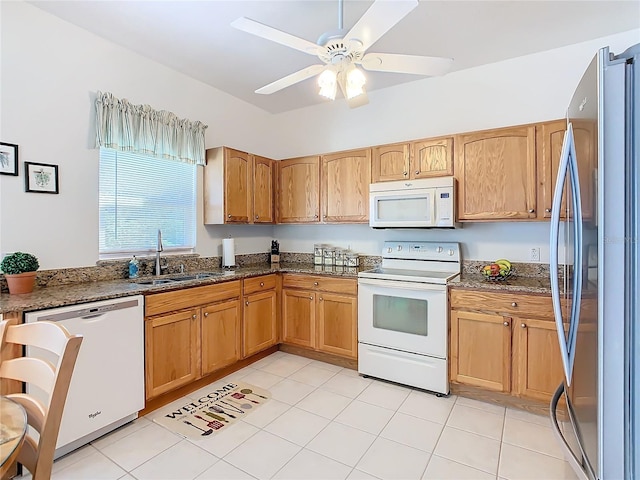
(58, 296)
(515, 283)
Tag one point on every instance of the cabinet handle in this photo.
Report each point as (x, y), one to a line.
(405, 173)
(523, 325)
(206, 314)
(548, 210)
(315, 284)
(257, 217)
(417, 172)
(320, 299)
(247, 302)
(506, 324)
(229, 216)
(316, 215)
(531, 210)
(194, 316)
(262, 284)
(514, 304)
(310, 298)
(324, 216)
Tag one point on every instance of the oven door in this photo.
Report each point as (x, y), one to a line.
(407, 316)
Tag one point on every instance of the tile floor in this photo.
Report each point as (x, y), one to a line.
(326, 422)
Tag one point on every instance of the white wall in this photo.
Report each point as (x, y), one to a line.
(522, 90)
(52, 69)
(50, 73)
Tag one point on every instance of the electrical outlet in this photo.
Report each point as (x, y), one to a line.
(534, 254)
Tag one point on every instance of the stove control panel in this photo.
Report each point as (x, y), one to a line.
(444, 251)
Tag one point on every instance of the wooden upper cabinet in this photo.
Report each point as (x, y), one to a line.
(432, 158)
(419, 159)
(390, 162)
(345, 186)
(237, 186)
(263, 190)
(549, 138)
(299, 190)
(496, 172)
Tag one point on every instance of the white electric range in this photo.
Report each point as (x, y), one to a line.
(403, 314)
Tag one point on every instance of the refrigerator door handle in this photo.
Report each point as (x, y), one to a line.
(577, 253)
(571, 458)
(553, 250)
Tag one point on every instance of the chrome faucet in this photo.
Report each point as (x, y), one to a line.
(159, 249)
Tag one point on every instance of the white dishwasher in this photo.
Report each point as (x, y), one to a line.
(107, 386)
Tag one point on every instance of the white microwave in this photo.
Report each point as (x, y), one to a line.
(422, 203)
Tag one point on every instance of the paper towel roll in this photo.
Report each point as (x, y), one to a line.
(228, 252)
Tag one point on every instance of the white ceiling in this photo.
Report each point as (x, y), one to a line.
(195, 37)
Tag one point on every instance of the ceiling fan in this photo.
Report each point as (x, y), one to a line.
(341, 51)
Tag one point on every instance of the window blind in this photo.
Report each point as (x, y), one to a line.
(140, 194)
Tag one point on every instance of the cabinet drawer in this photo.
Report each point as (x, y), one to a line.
(321, 283)
(190, 297)
(509, 303)
(259, 284)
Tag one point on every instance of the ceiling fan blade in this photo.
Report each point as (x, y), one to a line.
(378, 20)
(275, 35)
(390, 62)
(356, 101)
(292, 79)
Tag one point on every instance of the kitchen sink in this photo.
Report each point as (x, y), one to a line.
(156, 281)
(197, 276)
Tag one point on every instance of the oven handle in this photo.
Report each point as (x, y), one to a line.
(402, 285)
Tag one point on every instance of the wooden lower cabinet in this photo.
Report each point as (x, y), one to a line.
(184, 343)
(171, 351)
(539, 366)
(505, 342)
(259, 330)
(481, 350)
(320, 313)
(337, 330)
(220, 335)
(298, 317)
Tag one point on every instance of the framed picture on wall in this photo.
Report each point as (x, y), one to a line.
(40, 178)
(8, 159)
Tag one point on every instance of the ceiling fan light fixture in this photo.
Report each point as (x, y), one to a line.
(355, 82)
(328, 84)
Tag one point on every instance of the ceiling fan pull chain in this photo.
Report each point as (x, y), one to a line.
(340, 14)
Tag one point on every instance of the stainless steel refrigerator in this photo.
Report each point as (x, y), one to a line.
(594, 246)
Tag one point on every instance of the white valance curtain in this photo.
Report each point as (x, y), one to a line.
(140, 129)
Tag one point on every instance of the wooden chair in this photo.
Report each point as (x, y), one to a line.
(53, 379)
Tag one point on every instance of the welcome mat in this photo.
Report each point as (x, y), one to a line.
(215, 411)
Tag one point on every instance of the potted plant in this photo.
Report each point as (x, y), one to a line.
(20, 271)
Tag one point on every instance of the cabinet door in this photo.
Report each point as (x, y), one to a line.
(171, 351)
(220, 335)
(536, 358)
(299, 190)
(345, 186)
(432, 158)
(337, 324)
(262, 190)
(259, 322)
(298, 317)
(481, 350)
(390, 162)
(549, 138)
(496, 172)
(237, 186)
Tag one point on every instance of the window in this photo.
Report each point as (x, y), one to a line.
(140, 194)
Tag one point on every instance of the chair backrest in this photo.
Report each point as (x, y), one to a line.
(53, 379)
